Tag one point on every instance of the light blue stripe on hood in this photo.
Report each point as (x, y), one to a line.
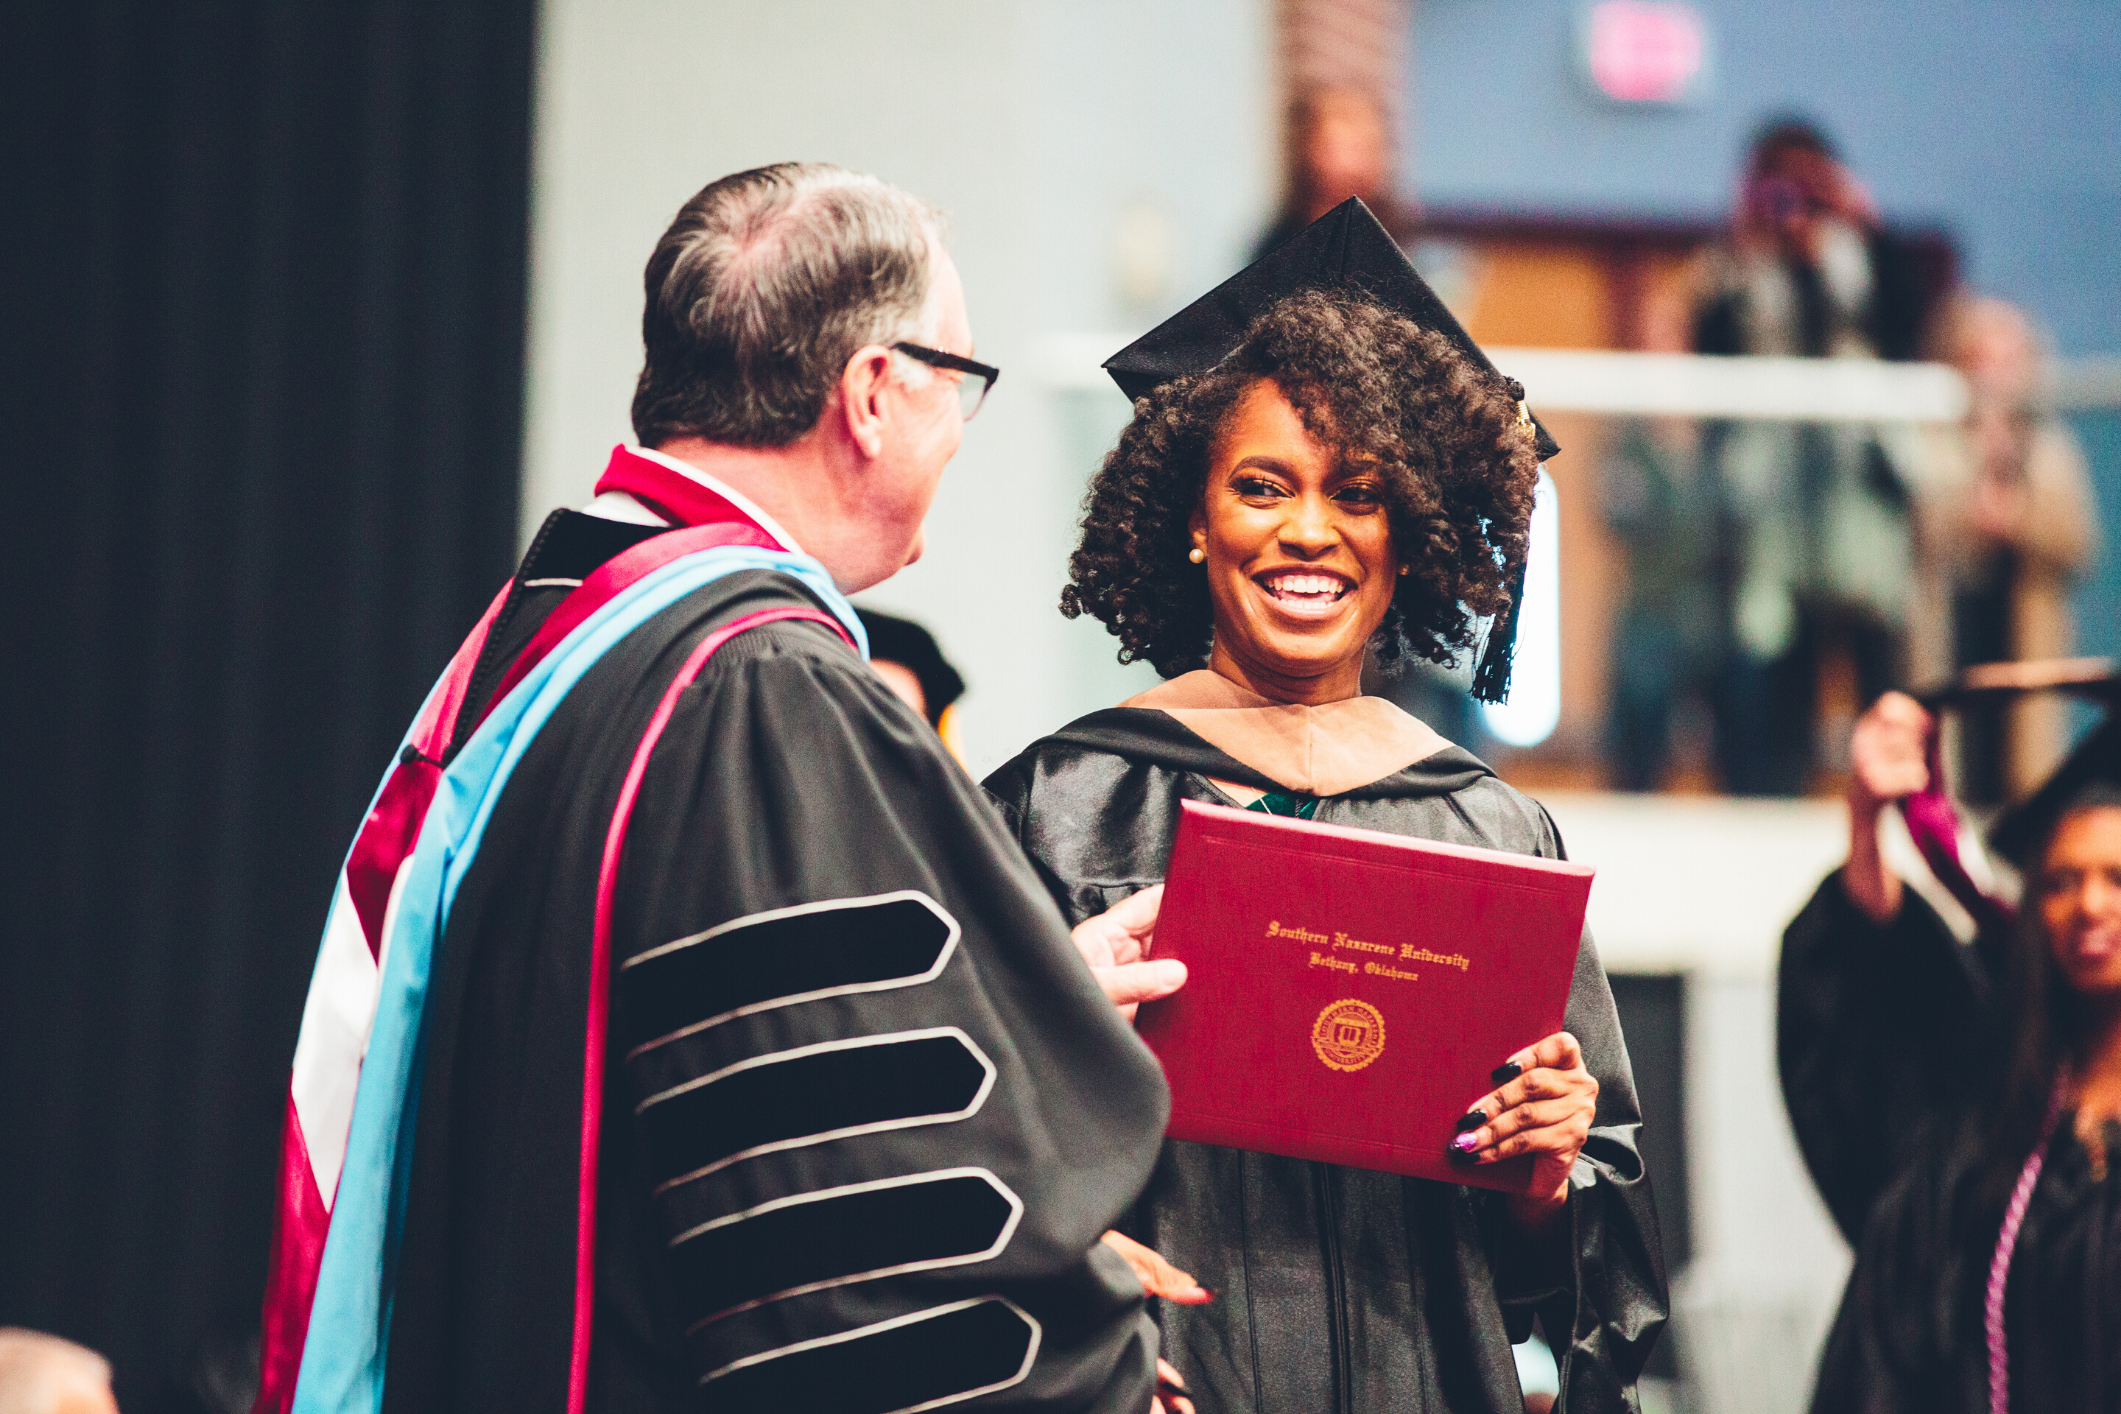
(344, 1354)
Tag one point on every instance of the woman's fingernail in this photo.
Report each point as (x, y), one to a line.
(1472, 1119)
(1506, 1072)
(1465, 1143)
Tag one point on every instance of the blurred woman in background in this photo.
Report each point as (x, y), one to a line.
(1957, 1102)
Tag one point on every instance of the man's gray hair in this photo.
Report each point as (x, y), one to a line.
(763, 287)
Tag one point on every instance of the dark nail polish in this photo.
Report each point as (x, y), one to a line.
(1457, 1155)
(1506, 1072)
(1472, 1119)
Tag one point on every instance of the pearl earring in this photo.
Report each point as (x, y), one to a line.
(1196, 554)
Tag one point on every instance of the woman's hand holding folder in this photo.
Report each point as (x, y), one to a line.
(1543, 1105)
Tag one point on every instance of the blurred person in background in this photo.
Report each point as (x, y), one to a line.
(1818, 517)
(1958, 1102)
(2008, 523)
(42, 1374)
(1668, 636)
(907, 657)
(1337, 143)
(1311, 474)
(854, 1117)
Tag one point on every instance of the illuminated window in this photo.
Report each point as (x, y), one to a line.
(1534, 706)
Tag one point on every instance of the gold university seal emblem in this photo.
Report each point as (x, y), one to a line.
(1348, 1034)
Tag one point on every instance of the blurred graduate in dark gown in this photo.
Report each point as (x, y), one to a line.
(1320, 463)
(1957, 1101)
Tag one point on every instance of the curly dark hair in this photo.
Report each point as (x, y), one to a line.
(1457, 463)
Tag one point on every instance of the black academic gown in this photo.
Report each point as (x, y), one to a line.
(1868, 1017)
(867, 1113)
(1889, 1041)
(1342, 1289)
(1911, 1335)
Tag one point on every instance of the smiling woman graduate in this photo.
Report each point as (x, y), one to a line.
(1321, 465)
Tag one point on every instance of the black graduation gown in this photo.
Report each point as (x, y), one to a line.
(1343, 1289)
(1867, 1017)
(1870, 1017)
(1911, 1336)
(822, 929)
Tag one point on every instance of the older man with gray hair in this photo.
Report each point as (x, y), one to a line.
(687, 1032)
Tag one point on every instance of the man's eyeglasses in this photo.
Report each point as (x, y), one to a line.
(972, 388)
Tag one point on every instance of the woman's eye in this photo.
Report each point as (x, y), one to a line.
(1256, 486)
(1360, 495)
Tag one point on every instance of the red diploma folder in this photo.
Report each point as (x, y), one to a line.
(1349, 992)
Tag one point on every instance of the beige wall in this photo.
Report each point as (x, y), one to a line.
(1043, 129)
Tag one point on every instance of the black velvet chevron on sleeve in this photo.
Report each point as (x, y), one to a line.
(856, 1233)
(807, 1096)
(783, 956)
(947, 1354)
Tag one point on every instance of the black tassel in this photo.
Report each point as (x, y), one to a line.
(1491, 680)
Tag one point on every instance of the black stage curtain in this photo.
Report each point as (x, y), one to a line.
(262, 294)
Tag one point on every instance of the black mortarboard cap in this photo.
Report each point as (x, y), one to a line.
(2024, 829)
(2092, 678)
(896, 640)
(2096, 761)
(1344, 252)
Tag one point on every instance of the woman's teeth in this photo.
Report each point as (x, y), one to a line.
(1306, 588)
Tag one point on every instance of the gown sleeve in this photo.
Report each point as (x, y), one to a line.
(1869, 1016)
(1603, 1282)
(882, 1114)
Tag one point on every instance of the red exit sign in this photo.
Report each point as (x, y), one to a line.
(1645, 51)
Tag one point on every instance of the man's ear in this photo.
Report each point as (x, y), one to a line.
(862, 390)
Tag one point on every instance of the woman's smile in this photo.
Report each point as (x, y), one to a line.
(1305, 594)
(2088, 944)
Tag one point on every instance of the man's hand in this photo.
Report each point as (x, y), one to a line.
(1116, 945)
(1888, 761)
(1544, 1108)
(1159, 1278)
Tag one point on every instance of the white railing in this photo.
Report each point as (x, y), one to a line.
(1614, 383)
(1690, 385)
